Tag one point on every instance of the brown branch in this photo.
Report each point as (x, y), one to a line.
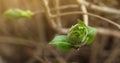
(94, 52)
(84, 10)
(89, 5)
(115, 53)
(17, 41)
(49, 17)
(101, 8)
(39, 59)
(64, 30)
(103, 31)
(57, 4)
(48, 14)
(57, 56)
(108, 32)
(94, 15)
(60, 8)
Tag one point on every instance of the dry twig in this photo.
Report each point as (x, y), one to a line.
(115, 53)
(94, 15)
(101, 8)
(57, 4)
(108, 32)
(64, 30)
(84, 10)
(48, 14)
(17, 41)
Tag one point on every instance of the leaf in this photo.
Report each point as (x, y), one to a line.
(17, 13)
(61, 42)
(12, 13)
(27, 14)
(91, 35)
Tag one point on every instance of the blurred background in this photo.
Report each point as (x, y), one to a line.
(26, 40)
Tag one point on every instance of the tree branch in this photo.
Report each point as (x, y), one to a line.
(94, 15)
(84, 10)
(101, 8)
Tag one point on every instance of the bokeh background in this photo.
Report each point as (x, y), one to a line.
(26, 40)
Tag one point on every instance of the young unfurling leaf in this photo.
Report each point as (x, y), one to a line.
(78, 35)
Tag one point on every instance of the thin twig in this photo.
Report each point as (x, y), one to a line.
(1, 60)
(115, 53)
(50, 19)
(84, 10)
(60, 8)
(17, 41)
(57, 4)
(57, 56)
(108, 32)
(94, 15)
(101, 8)
(89, 5)
(48, 14)
(100, 30)
(64, 30)
(94, 52)
(39, 59)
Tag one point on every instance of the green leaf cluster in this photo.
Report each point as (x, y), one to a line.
(78, 35)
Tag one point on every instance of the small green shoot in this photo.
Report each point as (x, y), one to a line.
(78, 35)
(17, 13)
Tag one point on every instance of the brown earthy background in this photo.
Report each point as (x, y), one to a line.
(26, 40)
